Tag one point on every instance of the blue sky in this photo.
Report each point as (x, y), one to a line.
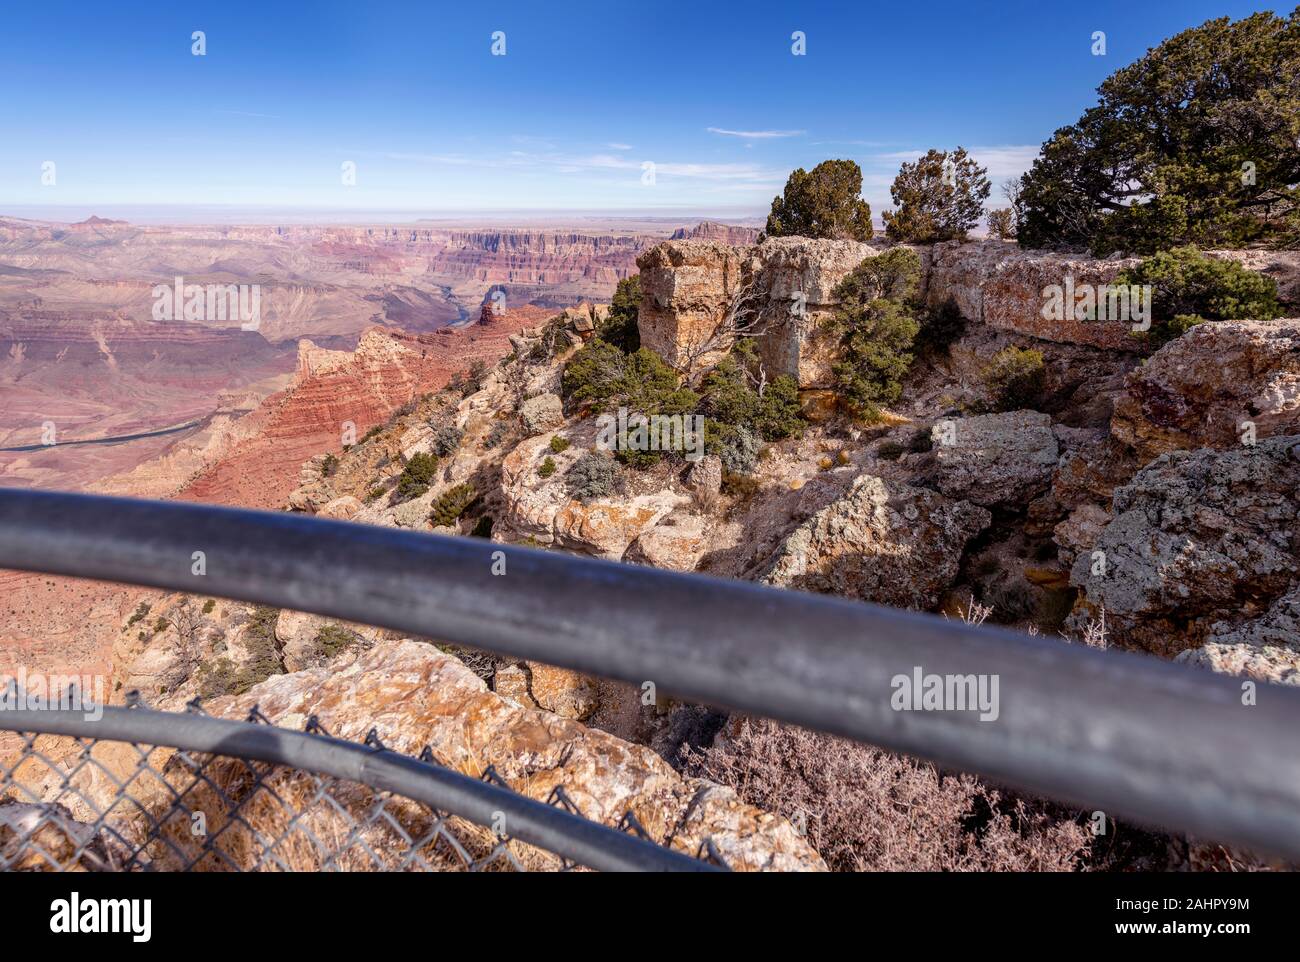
(585, 95)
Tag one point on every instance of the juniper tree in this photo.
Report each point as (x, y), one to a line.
(824, 202)
(940, 197)
(1196, 142)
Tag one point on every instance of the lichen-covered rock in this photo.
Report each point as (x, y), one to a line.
(1266, 648)
(541, 508)
(1201, 390)
(705, 475)
(996, 459)
(883, 541)
(1079, 532)
(1197, 538)
(687, 288)
(542, 413)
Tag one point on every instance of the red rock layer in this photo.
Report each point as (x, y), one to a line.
(387, 370)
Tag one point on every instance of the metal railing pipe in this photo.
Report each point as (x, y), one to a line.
(1130, 735)
(553, 829)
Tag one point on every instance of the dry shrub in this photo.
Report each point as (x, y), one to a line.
(869, 810)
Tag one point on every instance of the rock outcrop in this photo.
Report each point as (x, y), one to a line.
(1005, 287)
(788, 288)
(540, 507)
(1205, 388)
(883, 542)
(1197, 538)
(687, 289)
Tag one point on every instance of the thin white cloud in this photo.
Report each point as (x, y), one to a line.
(1002, 162)
(756, 134)
(617, 146)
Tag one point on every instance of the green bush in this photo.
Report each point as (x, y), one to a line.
(1015, 379)
(141, 610)
(729, 397)
(329, 464)
(559, 444)
(548, 467)
(592, 476)
(933, 207)
(620, 328)
(416, 476)
(223, 677)
(1189, 287)
(825, 202)
(209, 605)
(331, 640)
(372, 433)
(604, 378)
(453, 503)
(876, 328)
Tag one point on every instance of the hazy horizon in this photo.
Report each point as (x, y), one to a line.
(232, 214)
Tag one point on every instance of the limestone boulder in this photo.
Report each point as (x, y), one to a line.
(1004, 286)
(545, 412)
(1204, 388)
(341, 509)
(995, 459)
(883, 541)
(567, 693)
(414, 695)
(676, 543)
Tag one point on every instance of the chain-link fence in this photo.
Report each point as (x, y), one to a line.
(131, 792)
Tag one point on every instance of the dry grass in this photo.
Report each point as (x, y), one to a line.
(869, 810)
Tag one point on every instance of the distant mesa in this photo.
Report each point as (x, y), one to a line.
(95, 219)
(721, 233)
